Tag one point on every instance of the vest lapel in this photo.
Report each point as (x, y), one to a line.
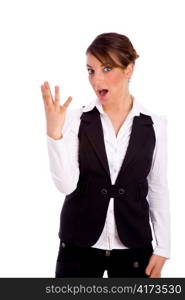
(94, 132)
(137, 141)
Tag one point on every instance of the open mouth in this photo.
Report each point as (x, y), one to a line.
(103, 92)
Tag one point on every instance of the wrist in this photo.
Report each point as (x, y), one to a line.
(55, 136)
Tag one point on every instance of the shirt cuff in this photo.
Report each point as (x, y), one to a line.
(162, 252)
(53, 140)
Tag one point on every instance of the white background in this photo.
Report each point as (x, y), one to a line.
(46, 40)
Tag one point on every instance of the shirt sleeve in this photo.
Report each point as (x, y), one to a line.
(63, 154)
(158, 191)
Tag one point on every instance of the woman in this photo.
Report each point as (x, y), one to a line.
(110, 160)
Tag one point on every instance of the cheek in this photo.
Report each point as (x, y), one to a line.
(115, 81)
(90, 80)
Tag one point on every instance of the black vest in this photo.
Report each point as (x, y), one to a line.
(84, 211)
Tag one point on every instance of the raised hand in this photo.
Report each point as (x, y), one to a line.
(55, 113)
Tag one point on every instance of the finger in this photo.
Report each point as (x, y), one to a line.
(47, 93)
(57, 95)
(149, 267)
(67, 102)
(43, 95)
(155, 275)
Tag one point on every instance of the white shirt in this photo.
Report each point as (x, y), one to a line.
(64, 168)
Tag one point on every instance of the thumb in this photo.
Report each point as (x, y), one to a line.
(67, 102)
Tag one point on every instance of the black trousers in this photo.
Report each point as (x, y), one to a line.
(75, 261)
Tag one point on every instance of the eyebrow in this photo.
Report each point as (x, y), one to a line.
(101, 65)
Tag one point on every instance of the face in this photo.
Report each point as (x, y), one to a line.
(105, 77)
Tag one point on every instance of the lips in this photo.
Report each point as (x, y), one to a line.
(103, 92)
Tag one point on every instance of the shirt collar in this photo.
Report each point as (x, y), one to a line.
(135, 110)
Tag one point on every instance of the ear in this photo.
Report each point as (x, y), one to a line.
(129, 70)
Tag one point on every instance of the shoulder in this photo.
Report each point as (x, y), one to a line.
(72, 119)
(73, 113)
(160, 122)
(158, 119)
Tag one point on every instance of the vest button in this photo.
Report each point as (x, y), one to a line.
(136, 264)
(103, 191)
(63, 244)
(121, 191)
(107, 252)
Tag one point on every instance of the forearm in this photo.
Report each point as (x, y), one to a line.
(161, 227)
(158, 193)
(63, 163)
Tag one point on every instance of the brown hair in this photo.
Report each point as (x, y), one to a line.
(116, 43)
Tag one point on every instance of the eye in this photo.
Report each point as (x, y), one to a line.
(108, 68)
(89, 71)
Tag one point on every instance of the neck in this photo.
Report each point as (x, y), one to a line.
(123, 106)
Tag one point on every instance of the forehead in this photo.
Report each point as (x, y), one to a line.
(92, 60)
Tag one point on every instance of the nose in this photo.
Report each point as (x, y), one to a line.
(97, 80)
